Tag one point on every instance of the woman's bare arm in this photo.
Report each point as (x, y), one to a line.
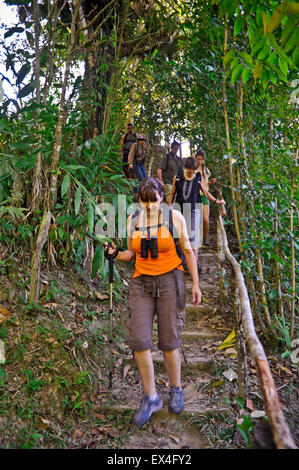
(209, 195)
(181, 228)
(172, 192)
(128, 254)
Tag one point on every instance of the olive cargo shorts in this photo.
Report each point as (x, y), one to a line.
(157, 294)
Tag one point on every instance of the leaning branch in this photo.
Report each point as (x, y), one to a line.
(281, 433)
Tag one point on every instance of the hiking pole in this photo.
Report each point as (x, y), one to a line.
(111, 258)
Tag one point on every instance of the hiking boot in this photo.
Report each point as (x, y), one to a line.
(147, 407)
(176, 401)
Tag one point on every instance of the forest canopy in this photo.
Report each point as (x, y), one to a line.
(221, 74)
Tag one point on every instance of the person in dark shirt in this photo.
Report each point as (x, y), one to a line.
(187, 187)
(126, 143)
(137, 157)
(169, 166)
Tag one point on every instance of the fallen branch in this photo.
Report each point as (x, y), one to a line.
(281, 433)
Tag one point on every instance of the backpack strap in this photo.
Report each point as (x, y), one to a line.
(173, 233)
(134, 222)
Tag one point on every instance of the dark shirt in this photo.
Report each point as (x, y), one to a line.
(187, 191)
(170, 169)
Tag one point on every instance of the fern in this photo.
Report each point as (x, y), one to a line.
(12, 212)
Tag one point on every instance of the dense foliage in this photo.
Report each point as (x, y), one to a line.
(221, 74)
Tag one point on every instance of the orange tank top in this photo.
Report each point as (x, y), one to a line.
(167, 260)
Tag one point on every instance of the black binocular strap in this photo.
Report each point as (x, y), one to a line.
(180, 304)
(155, 286)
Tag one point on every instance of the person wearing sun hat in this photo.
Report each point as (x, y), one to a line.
(137, 157)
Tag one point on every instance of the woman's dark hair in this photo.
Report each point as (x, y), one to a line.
(200, 152)
(191, 163)
(147, 189)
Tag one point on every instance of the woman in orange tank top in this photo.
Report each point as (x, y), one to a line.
(157, 286)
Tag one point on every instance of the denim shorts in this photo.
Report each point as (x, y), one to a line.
(165, 296)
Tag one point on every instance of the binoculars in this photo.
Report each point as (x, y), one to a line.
(152, 245)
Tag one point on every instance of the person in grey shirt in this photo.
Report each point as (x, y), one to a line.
(168, 168)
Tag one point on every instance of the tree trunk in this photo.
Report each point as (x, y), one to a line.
(293, 272)
(61, 114)
(230, 163)
(133, 90)
(275, 230)
(37, 175)
(36, 258)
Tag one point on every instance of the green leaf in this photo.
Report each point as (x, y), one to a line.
(236, 73)
(275, 19)
(96, 262)
(288, 29)
(19, 146)
(78, 197)
(60, 233)
(247, 58)
(272, 58)
(234, 63)
(65, 184)
(22, 73)
(272, 77)
(90, 216)
(258, 46)
(12, 31)
(283, 65)
(73, 167)
(294, 39)
(295, 57)
(265, 79)
(258, 70)
(26, 90)
(292, 8)
(229, 57)
(30, 38)
(263, 54)
(238, 25)
(245, 75)
(278, 49)
(265, 21)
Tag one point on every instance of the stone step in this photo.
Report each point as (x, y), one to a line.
(198, 363)
(200, 337)
(197, 312)
(207, 254)
(190, 412)
(204, 285)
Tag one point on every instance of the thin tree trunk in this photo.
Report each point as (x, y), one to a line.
(228, 145)
(36, 258)
(263, 291)
(61, 114)
(252, 224)
(293, 272)
(275, 229)
(133, 90)
(37, 176)
(255, 309)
